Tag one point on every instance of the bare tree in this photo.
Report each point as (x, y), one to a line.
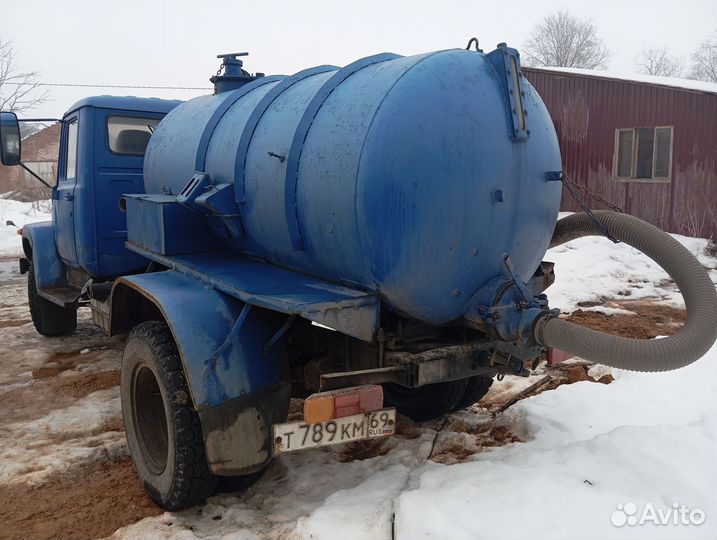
(658, 62)
(563, 40)
(704, 61)
(19, 90)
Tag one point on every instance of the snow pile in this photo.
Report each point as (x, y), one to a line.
(642, 439)
(20, 213)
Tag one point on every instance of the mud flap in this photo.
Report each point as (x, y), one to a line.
(237, 433)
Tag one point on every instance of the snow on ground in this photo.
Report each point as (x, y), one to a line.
(594, 267)
(20, 213)
(63, 439)
(642, 439)
(40, 439)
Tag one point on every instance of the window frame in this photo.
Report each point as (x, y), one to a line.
(633, 157)
(69, 124)
(113, 114)
(53, 165)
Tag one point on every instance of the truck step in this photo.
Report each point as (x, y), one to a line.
(60, 295)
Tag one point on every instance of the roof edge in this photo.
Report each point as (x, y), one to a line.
(131, 103)
(673, 83)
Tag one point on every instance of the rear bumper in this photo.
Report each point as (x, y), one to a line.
(440, 364)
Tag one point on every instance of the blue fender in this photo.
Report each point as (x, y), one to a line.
(201, 319)
(240, 386)
(40, 239)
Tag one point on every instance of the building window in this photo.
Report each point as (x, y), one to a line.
(643, 154)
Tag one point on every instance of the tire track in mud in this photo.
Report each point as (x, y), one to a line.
(22, 403)
(41, 377)
(92, 503)
(90, 499)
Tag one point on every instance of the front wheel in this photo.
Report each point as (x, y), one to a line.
(162, 427)
(49, 319)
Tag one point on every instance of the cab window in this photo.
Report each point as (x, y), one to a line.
(71, 161)
(128, 136)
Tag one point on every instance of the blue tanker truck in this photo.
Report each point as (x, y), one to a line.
(369, 238)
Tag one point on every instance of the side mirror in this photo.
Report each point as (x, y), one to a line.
(9, 139)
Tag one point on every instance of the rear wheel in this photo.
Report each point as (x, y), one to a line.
(49, 318)
(162, 427)
(476, 388)
(425, 402)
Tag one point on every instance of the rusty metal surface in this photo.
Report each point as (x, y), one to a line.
(334, 381)
(587, 110)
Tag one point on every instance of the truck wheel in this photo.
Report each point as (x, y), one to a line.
(162, 427)
(476, 388)
(425, 402)
(49, 318)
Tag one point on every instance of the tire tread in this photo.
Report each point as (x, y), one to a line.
(193, 481)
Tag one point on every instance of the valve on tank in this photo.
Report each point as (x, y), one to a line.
(231, 75)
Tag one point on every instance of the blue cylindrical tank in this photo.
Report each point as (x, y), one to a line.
(410, 176)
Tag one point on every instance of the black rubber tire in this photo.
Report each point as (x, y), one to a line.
(476, 388)
(162, 427)
(231, 484)
(425, 402)
(49, 319)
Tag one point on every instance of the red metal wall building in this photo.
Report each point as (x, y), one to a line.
(39, 152)
(588, 109)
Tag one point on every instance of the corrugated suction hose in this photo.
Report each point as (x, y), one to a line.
(690, 343)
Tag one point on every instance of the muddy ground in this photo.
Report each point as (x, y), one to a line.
(64, 469)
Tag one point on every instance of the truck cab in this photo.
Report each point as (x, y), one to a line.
(101, 157)
(102, 145)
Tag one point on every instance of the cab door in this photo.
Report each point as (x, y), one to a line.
(120, 139)
(64, 192)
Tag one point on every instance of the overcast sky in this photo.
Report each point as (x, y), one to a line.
(175, 42)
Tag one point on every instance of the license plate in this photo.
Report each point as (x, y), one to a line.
(299, 435)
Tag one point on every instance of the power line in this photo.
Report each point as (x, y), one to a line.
(71, 85)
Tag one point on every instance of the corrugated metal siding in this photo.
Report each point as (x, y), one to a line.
(587, 110)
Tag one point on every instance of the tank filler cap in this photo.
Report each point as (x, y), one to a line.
(231, 63)
(231, 75)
